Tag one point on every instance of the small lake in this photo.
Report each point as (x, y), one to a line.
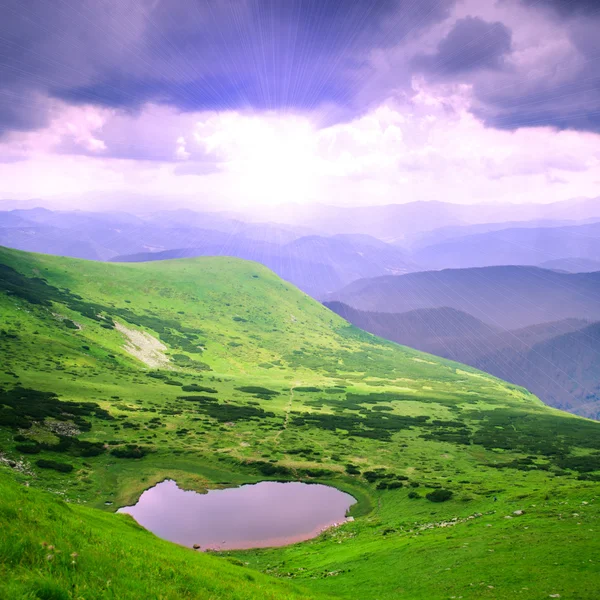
(263, 514)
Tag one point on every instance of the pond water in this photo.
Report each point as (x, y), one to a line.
(264, 514)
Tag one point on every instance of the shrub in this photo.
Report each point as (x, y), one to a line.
(439, 495)
(56, 466)
(130, 451)
(413, 495)
(194, 387)
(352, 470)
(256, 389)
(394, 485)
(28, 448)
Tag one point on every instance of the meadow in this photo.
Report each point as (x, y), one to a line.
(214, 372)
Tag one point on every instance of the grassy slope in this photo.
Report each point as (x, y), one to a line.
(54, 551)
(257, 330)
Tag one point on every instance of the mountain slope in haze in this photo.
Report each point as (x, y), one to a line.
(564, 370)
(506, 297)
(520, 246)
(313, 278)
(572, 265)
(214, 372)
(393, 222)
(317, 265)
(432, 330)
(558, 362)
(102, 236)
(424, 239)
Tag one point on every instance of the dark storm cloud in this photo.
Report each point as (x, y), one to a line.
(471, 44)
(567, 7)
(564, 92)
(193, 54)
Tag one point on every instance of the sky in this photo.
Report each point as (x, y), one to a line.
(235, 103)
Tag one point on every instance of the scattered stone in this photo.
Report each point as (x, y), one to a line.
(196, 546)
(519, 512)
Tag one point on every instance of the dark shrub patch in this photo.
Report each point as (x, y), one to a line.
(194, 387)
(582, 464)
(130, 451)
(56, 466)
(394, 485)
(352, 470)
(28, 448)
(20, 406)
(413, 495)
(307, 388)
(439, 495)
(256, 389)
(269, 469)
(198, 398)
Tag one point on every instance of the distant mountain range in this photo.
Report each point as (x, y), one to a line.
(559, 361)
(504, 297)
(516, 246)
(572, 265)
(396, 222)
(317, 265)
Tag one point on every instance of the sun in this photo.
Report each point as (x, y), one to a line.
(270, 159)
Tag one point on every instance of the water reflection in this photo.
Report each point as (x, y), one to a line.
(264, 514)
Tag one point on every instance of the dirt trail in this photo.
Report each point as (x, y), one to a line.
(287, 411)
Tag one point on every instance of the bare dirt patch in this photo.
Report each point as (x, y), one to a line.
(144, 347)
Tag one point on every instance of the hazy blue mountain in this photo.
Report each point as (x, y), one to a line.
(434, 330)
(517, 246)
(102, 236)
(564, 370)
(558, 361)
(506, 297)
(422, 239)
(317, 265)
(572, 265)
(395, 222)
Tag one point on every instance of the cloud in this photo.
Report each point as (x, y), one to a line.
(424, 146)
(567, 7)
(471, 44)
(216, 54)
(554, 78)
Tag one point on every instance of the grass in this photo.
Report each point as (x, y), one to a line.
(52, 550)
(265, 383)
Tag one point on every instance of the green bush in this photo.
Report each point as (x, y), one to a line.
(28, 448)
(439, 495)
(56, 466)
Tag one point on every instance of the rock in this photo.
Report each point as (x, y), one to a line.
(518, 513)
(196, 546)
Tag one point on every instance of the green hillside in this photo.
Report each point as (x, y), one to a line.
(214, 372)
